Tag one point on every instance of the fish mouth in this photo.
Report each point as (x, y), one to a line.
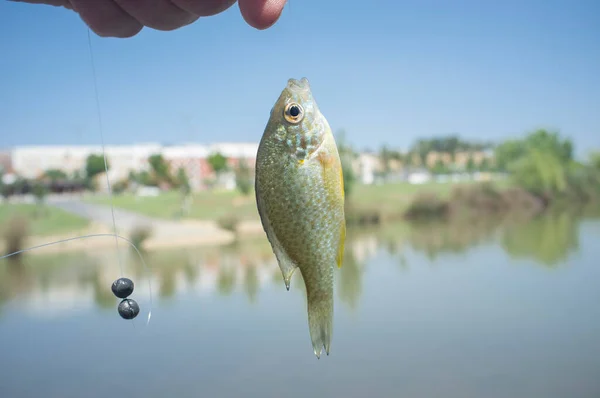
(298, 85)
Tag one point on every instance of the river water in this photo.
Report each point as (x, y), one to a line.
(472, 310)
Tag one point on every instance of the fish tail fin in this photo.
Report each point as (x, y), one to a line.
(320, 321)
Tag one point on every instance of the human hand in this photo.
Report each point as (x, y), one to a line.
(126, 18)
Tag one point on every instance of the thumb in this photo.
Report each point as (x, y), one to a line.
(261, 14)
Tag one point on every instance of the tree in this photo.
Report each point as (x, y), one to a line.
(243, 178)
(183, 182)
(540, 163)
(409, 158)
(485, 165)
(217, 162)
(160, 168)
(439, 167)
(94, 165)
(120, 186)
(55, 175)
(385, 155)
(508, 152)
(5, 190)
(143, 178)
(594, 160)
(450, 145)
(470, 166)
(39, 191)
(422, 149)
(551, 142)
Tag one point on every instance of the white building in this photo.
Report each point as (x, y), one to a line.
(419, 176)
(368, 165)
(190, 157)
(125, 158)
(32, 161)
(235, 150)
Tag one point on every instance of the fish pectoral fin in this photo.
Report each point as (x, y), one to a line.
(340, 254)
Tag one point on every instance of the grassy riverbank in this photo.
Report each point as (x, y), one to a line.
(209, 205)
(386, 201)
(41, 220)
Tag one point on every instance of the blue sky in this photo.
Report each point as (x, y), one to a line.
(389, 72)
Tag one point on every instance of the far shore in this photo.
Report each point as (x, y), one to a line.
(222, 218)
(245, 229)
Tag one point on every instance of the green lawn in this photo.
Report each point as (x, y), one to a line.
(394, 198)
(389, 198)
(205, 205)
(42, 221)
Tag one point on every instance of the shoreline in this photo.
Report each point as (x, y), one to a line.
(219, 238)
(462, 202)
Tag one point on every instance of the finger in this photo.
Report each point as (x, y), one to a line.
(106, 18)
(261, 14)
(204, 8)
(157, 14)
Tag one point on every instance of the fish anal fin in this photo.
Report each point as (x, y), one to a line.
(286, 265)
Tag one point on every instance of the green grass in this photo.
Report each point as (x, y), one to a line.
(205, 205)
(392, 198)
(42, 221)
(388, 198)
(395, 197)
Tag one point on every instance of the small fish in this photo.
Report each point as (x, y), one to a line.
(300, 198)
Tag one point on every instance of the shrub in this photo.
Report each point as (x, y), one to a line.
(17, 230)
(139, 234)
(228, 222)
(426, 206)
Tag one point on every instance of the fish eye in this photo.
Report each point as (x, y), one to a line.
(293, 112)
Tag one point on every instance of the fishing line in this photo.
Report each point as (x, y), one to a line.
(117, 237)
(108, 185)
(112, 210)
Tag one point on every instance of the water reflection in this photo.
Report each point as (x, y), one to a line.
(547, 240)
(50, 284)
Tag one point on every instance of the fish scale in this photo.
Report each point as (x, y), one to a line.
(300, 200)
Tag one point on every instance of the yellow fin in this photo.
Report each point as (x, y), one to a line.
(340, 255)
(342, 182)
(329, 164)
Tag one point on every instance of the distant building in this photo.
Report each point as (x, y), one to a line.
(234, 153)
(32, 161)
(368, 165)
(460, 159)
(419, 176)
(192, 158)
(123, 159)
